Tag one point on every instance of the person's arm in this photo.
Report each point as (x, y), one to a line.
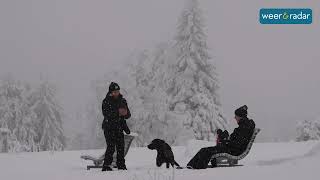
(223, 136)
(128, 115)
(234, 134)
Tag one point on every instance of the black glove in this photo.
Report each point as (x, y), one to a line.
(223, 135)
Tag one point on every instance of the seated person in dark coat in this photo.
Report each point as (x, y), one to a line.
(235, 144)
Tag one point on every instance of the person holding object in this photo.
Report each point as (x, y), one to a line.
(235, 144)
(123, 108)
(115, 111)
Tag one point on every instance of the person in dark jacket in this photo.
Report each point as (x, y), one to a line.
(115, 111)
(235, 144)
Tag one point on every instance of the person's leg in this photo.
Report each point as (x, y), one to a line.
(206, 156)
(197, 161)
(202, 158)
(221, 148)
(120, 152)
(108, 157)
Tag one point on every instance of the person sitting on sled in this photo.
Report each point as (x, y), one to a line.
(235, 144)
(115, 110)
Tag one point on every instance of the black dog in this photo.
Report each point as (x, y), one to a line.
(164, 153)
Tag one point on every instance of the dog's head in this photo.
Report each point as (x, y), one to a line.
(156, 144)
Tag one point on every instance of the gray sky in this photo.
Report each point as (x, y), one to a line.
(274, 69)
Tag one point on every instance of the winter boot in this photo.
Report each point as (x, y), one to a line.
(122, 167)
(106, 168)
(214, 162)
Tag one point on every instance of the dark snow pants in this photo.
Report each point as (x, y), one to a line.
(115, 141)
(202, 158)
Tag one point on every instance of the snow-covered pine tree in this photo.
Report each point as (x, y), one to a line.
(4, 146)
(308, 130)
(173, 89)
(151, 117)
(138, 93)
(49, 118)
(25, 123)
(10, 95)
(17, 116)
(193, 87)
(94, 117)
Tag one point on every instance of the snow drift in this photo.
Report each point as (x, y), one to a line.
(265, 161)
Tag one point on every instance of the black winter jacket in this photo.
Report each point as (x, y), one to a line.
(240, 138)
(113, 122)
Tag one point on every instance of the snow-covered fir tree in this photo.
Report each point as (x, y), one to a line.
(94, 117)
(171, 89)
(25, 124)
(17, 116)
(153, 119)
(49, 117)
(308, 130)
(193, 88)
(79, 138)
(10, 95)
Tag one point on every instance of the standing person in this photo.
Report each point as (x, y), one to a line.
(115, 110)
(235, 144)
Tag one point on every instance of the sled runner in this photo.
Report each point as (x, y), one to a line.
(223, 159)
(98, 161)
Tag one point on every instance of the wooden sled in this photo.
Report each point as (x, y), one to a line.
(225, 159)
(98, 161)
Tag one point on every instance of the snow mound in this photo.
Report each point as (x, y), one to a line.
(311, 150)
(300, 159)
(314, 151)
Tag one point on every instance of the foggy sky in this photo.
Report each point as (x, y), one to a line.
(274, 69)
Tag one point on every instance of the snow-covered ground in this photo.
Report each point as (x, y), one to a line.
(266, 161)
